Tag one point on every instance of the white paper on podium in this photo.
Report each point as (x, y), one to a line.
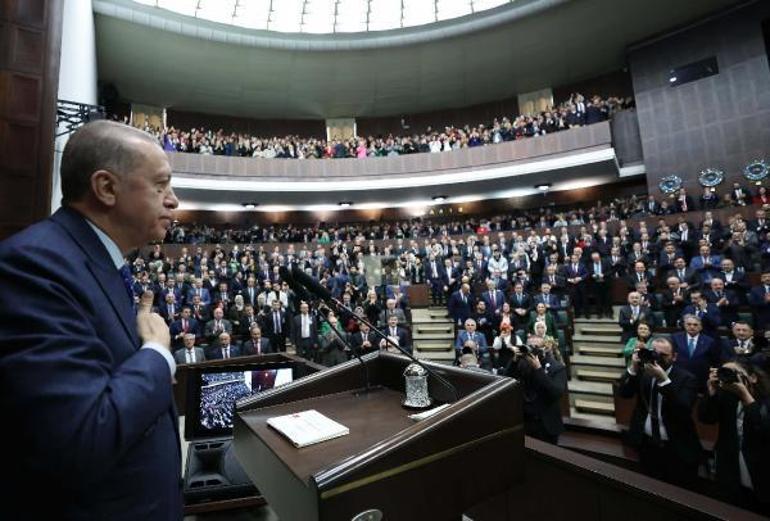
(307, 427)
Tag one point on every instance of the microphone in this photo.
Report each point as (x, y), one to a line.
(299, 289)
(312, 285)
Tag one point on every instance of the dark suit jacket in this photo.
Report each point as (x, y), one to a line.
(296, 330)
(760, 308)
(673, 310)
(176, 328)
(95, 412)
(676, 410)
(357, 339)
(459, 310)
(628, 324)
(215, 352)
(722, 409)
(728, 312)
(248, 347)
(543, 391)
(708, 353)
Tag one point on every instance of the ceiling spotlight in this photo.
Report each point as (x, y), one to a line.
(672, 79)
(346, 204)
(249, 205)
(439, 198)
(543, 187)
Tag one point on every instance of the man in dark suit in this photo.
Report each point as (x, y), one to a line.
(735, 281)
(741, 411)
(673, 301)
(684, 202)
(575, 274)
(618, 265)
(638, 274)
(223, 350)
(759, 300)
(706, 312)
(545, 296)
(696, 352)
(397, 334)
(169, 309)
(86, 381)
(493, 298)
(599, 273)
(555, 280)
(256, 343)
(217, 325)
(276, 326)
(521, 304)
(304, 333)
(688, 277)
(364, 340)
(460, 305)
(724, 299)
(179, 328)
(632, 314)
(662, 428)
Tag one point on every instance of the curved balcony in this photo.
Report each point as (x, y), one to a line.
(506, 169)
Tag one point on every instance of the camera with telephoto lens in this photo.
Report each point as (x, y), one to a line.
(647, 356)
(727, 376)
(526, 349)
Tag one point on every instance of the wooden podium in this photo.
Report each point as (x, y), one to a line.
(434, 469)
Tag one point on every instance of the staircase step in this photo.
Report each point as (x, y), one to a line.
(434, 345)
(595, 407)
(599, 339)
(433, 336)
(434, 355)
(592, 349)
(594, 418)
(601, 375)
(601, 361)
(600, 331)
(583, 387)
(596, 321)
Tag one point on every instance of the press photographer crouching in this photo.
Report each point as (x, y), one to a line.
(538, 366)
(738, 400)
(662, 428)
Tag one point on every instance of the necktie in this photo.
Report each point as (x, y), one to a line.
(492, 300)
(190, 356)
(125, 274)
(654, 416)
(690, 346)
(184, 325)
(226, 352)
(277, 323)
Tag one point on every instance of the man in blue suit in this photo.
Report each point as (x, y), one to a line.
(460, 304)
(706, 312)
(759, 300)
(706, 265)
(86, 381)
(695, 351)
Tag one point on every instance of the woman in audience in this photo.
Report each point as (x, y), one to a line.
(643, 338)
(372, 307)
(738, 400)
(502, 346)
(542, 315)
(505, 316)
(762, 196)
(236, 312)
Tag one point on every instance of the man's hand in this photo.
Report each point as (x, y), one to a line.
(712, 383)
(534, 361)
(656, 371)
(150, 326)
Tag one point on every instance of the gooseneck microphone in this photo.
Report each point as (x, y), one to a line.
(302, 294)
(314, 287)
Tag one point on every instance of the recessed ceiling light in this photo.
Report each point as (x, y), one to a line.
(543, 187)
(346, 204)
(249, 205)
(672, 79)
(439, 198)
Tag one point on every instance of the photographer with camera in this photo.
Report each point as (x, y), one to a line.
(544, 381)
(738, 400)
(662, 428)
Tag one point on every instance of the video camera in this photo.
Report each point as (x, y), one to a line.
(648, 356)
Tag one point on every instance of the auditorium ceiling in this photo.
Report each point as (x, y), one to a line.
(161, 58)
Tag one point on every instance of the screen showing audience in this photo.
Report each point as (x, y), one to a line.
(220, 391)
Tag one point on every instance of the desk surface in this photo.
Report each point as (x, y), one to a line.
(371, 419)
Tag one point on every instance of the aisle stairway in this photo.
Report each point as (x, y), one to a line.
(597, 362)
(433, 335)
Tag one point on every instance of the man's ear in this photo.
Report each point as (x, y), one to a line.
(104, 187)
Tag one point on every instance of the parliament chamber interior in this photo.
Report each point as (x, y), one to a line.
(517, 251)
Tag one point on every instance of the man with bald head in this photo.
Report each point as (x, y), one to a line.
(87, 380)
